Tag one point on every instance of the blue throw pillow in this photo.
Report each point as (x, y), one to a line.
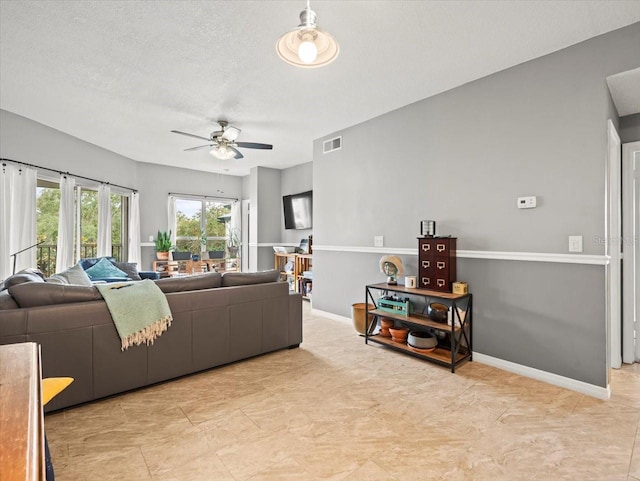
(104, 268)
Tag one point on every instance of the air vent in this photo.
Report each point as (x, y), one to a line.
(332, 144)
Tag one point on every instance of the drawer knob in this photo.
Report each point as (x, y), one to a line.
(426, 247)
(426, 281)
(441, 247)
(426, 264)
(441, 282)
(441, 265)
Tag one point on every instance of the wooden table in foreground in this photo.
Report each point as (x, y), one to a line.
(21, 415)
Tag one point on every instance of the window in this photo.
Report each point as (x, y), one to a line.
(89, 224)
(201, 223)
(48, 208)
(47, 211)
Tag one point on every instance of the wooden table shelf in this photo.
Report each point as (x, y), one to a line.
(22, 453)
(454, 339)
(417, 319)
(439, 354)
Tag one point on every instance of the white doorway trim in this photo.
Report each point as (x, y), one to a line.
(246, 235)
(613, 245)
(631, 250)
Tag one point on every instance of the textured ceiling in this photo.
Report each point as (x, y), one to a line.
(625, 91)
(122, 74)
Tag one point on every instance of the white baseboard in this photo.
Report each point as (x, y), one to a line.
(555, 379)
(330, 315)
(530, 372)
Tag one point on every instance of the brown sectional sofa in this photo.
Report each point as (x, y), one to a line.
(217, 319)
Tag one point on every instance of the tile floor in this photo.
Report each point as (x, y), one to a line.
(336, 409)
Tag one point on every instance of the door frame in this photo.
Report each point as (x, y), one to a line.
(245, 233)
(631, 248)
(613, 246)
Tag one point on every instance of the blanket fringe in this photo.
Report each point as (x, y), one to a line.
(148, 334)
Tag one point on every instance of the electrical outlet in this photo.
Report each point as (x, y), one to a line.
(575, 243)
(378, 241)
(529, 202)
(150, 238)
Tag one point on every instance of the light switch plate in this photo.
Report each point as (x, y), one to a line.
(378, 241)
(575, 243)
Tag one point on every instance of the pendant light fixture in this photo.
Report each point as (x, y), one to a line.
(306, 45)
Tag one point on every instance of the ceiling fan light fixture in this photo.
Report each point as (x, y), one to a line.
(222, 152)
(223, 142)
(306, 45)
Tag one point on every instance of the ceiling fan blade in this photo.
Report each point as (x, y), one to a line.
(191, 135)
(254, 145)
(231, 133)
(237, 152)
(208, 146)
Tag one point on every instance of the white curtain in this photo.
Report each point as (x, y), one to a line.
(235, 220)
(66, 224)
(17, 218)
(171, 218)
(78, 227)
(134, 229)
(104, 220)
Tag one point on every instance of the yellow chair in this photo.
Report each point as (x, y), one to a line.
(52, 386)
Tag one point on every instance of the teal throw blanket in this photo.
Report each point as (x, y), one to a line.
(139, 310)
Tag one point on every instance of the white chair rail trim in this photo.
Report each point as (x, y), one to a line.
(600, 260)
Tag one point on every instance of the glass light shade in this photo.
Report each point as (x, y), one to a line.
(289, 44)
(307, 51)
(222, 152)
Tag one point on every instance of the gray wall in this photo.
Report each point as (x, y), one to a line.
(266, 210)
(29, 141)
(293, 181)
(24, 140)
(155, 183)
(462, 158)
(630, 128)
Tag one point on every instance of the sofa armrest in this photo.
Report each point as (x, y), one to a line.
(149, 275)
(102, 280)
(295, 319)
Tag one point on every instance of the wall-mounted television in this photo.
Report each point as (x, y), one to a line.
(298, 210)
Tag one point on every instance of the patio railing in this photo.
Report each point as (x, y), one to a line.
(46, 255)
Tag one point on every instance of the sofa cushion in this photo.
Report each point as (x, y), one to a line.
(92, 261)
(32, 294)
(6, 301)
(25, 275)
(190, 283)
(104, 268)
(130, 269)
(73, 275)
(230, 279)
(57, 279)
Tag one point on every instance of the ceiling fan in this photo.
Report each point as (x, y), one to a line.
(223, 142)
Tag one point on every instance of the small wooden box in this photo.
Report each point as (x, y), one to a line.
(460, 288)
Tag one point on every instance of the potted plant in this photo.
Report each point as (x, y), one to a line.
(163, 245)
(204, 254)
(233, 242)
(181, 255)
